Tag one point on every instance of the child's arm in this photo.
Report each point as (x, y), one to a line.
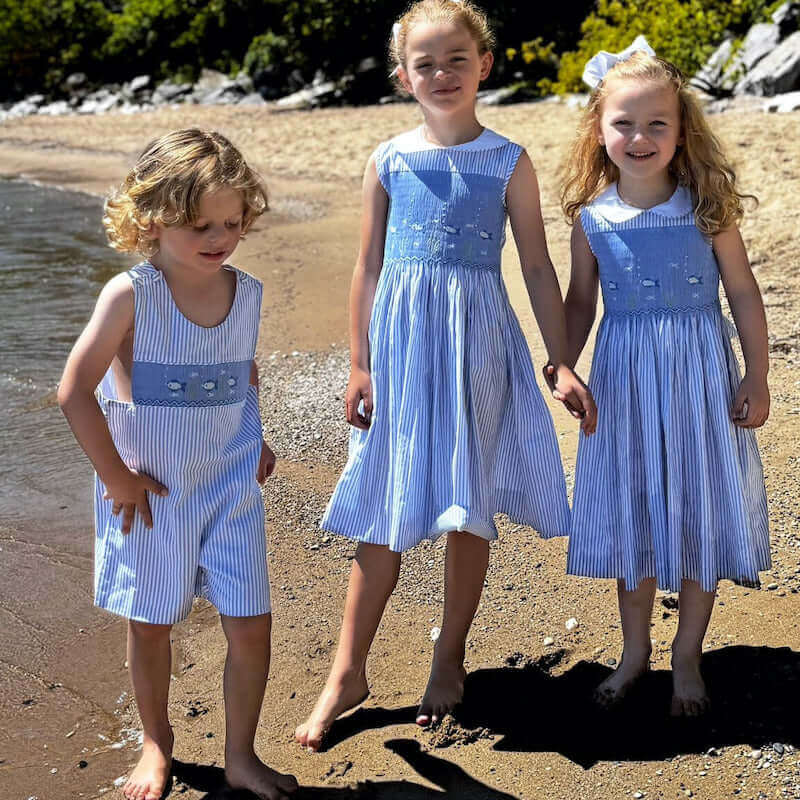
(580, 306)
(525, 213)
(266, 462)
(751, 322)
(100, 341)
(375, 205)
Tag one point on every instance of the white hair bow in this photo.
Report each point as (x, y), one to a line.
(597, 66)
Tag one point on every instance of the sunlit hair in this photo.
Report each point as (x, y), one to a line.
(699, 163)
(438, 11)
(166, 186)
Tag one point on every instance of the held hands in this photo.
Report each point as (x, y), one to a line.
(266, 463)
(751, 404)
(567, 387)
(359, 388)
(128, 494)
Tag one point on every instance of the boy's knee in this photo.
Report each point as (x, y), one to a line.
(248, 631)
(148, 632)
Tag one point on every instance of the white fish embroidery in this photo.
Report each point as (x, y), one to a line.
(451, 229)
(231, 381)
(415, 226)
(649, 282)
(612, 285)
(209, 385)
(694, 279)
(175, 386)
(485, 235)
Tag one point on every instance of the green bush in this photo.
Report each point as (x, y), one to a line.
(684, 32)
(41, 41)
(180, 37)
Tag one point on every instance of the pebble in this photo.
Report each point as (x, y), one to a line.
(772, 586)
(755, 754)
(435, 633)
(54, 770)
(548, 640)
(571, 624)
(119, 781)
(638, 795)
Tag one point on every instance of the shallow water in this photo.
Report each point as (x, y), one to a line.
(53, 263)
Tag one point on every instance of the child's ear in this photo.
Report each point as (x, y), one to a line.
(487, 59)
(402, 76)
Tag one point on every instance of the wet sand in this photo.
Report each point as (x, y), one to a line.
(526, 729)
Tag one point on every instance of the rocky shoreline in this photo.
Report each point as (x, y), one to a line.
(760, 72)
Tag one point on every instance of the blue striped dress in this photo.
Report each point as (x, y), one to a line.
(194, 425)
(460, 431)
(668, 487)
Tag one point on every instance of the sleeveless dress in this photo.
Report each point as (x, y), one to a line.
(194, 425)
(668, 487)
(459, 431)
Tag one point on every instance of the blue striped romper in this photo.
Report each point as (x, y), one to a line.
(668, 487)
(460, 431)
(194, 425)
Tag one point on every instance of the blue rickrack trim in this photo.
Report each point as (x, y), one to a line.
(439, 263)
(189, 385)
(643, 312)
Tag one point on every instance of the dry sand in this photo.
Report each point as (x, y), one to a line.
(526, 729)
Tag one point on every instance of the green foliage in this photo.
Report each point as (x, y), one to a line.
(169, 37)
(43, 40)
(684, 32)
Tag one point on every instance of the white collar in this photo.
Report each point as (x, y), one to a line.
(414, 140)
(611, 206)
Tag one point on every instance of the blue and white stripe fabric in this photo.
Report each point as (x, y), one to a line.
(460, 431)
(193, 425)
(668, 487)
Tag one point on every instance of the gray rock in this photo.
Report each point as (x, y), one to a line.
(787, 17)
(100, 101)
(760, 41)
(36, 99)
(21, 109)
(776, 73)
(710, 74)
(783, 103)
(55, 109)
(75, 81)
(210, 79)
(169, 92)
(252, 99)
(138, 83)
(306, 98)
(497, 97)
(244, 82)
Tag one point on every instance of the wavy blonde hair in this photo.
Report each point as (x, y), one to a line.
(166, 185)
(448, 11)
(699, 163)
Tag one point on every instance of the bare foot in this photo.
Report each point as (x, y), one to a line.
(249, 772)
(149, 778)
(338, 696)
(443, 693)
(689, 696)
(613, 689)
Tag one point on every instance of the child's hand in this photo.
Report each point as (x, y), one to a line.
(751, 404)
(359, 388)
(567, 387)
(128, 494)
(266, 464)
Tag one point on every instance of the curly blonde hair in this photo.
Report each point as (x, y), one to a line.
(166, 185)
(699, 163)
(448, 11)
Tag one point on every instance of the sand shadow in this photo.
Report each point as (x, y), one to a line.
(755, 693)
(454, 783)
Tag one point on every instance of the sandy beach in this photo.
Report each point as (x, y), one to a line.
(526, 728)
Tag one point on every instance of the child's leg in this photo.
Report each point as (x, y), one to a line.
(689, 696)
(244, 681)
(372, 580)
(149, 662)
(635, 611)
(465, 570)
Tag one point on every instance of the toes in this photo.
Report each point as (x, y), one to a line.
(301, 734)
